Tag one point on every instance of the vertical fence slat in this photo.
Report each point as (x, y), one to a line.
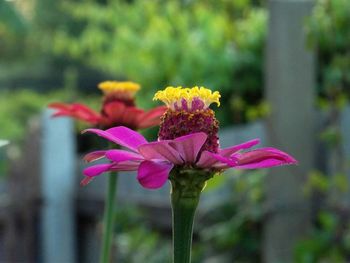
(290, 91)
(58, 182)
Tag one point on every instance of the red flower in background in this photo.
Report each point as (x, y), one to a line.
(118, 108)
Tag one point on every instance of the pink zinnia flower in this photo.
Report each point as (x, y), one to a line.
(118, 108)
(187, 140)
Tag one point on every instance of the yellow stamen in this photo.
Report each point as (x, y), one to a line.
(173, 95)
(115, 86)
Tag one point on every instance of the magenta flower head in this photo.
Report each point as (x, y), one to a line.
(187, 145)
(118, 108)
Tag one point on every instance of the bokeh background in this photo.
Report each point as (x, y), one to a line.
(283, 70)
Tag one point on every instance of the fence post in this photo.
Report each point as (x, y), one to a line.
(290, 91)
(58, 181)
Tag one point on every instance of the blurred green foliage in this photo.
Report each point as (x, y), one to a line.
(329, 240)
(17, 107)
(160, 43)
(12, 28)
(137, 241)
(9, 16)
(231, 231)
(328, 33)
(328, 243)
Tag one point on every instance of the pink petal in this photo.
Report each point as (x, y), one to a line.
(151, 118)
(189, 146)
(160, 150)
(126, 166)
(154, 113)
(263, 158)
(121, 156)
(75, 110)
(121, 135)
(207, 160)
(114, 110)
(260, 158)
(86, 180)
(93, 156)
(215, 160)
(130, 117)
(97, 169)
(243, 146)
(153, 175)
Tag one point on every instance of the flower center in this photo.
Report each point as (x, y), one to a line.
(117, 96)
(188, 113)
(119, 91)
(189, 99)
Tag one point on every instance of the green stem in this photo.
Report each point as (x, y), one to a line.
(187, 186)
(184, 209)
(108, 218)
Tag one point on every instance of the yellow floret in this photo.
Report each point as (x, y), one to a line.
(118, 86)
(172, 95)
